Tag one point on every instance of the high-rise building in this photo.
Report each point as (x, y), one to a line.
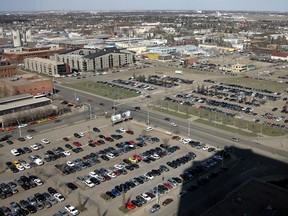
(20, 38)
(28, 36)
(1, 33)
(16, 38)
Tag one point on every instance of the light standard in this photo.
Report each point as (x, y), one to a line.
(148, 118)
(90, 109)
(189, 129)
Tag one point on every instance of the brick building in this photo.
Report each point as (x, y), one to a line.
(34, 85)
(7, 70)
(25, 52)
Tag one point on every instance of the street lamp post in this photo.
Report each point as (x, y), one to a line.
(189, 129)
(148, 118)
(20, 134)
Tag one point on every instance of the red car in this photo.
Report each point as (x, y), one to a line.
(167, 185)
(65, 138)
(77, 144)
(33, 123)
(131, 132)
(137, 157)
(130, 205)
(167, 201)
(109, 139)
(132, 142)
(96, 143)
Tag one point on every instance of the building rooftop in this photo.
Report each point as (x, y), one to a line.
(253, 198)
(15, 98)
(21, 103)
(45, 60)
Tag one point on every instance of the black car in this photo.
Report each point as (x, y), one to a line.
(136, 203)
(30, 130)
(77, 135)
(101, 136)
(24, 203)
(21, 139)
(137, 108)
(39, 197)
(141, 199)
(9, 142)
(68, 146)
(71, 186)
(51, 190)
(21, 151)
(27, 149)
(95, 181)
(109, 193)
(127, 161)
(32, 209)
(104, 157)
(95, 129)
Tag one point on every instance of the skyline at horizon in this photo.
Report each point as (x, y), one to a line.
(129, 5)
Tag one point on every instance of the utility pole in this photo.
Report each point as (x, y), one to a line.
(148, 118)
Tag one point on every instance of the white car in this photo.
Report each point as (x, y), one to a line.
(26, 165)
(150, 177)
(119, 166)
(89, 183)
(173, 124)
(205, 148)
(15, 152)
(45, 141)
(110, 155)
(38, 182)
(82, 134)
(22, 125)
(20, 168)
(71, 209)
(34, 147)
(59, 197)
(38, 161)
(182, 193)
(149, 129)
(145, 196)
(155, 156)
(186, 141)
(93, 174)
(67, 153)
(29, 137)
(111, 175)
(122, 130)
(70, 163)
(235, 139)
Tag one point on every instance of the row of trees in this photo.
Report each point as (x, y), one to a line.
(34, 114)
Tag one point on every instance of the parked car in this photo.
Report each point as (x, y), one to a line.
(154, 208)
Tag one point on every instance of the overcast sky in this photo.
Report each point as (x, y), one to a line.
(40, 5)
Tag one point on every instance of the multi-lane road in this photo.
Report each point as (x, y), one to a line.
(157, 120)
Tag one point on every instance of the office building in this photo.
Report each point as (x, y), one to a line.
(46, 66)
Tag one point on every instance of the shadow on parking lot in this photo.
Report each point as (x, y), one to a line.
(209, 183)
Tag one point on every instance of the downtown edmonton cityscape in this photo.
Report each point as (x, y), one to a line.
(150, 108)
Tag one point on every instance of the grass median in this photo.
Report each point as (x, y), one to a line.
(113, 93)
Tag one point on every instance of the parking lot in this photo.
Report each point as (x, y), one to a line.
(87, 195)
